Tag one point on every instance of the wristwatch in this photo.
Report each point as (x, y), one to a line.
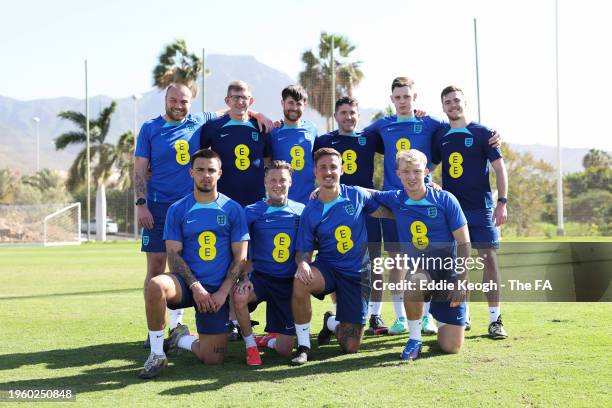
(502, 200)
(141, 201)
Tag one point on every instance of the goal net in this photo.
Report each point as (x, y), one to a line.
(48, 224)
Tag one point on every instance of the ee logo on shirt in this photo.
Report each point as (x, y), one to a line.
(343, 236)
(456, 169)
(282, 241)
(402, 144)
(349, 161)
(419, 234)
(182, 152)
(207, 241)
(297, 157)
(242, 157)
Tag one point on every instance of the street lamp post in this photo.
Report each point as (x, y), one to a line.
(135, 97)
(36, 120)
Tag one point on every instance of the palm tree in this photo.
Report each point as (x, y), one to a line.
(176, 64)
(103, 157)
(317, 74)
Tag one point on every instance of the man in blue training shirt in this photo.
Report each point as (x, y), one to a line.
(293, 142)
(273, 226)
(336, 219)
(240, 144)
(165, 145)
(358, 153)
(465, 153)
(432, 230)
(206, 239)
(401, 132)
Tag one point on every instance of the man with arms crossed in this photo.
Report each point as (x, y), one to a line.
(465, 153)
(336, 220)
(273, 226)
(431, 227)
(206, 240)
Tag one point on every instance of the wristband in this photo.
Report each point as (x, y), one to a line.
(193, 284)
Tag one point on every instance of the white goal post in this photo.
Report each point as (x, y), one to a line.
(63, 227)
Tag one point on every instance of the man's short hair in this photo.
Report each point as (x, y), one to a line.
(326, 151)
(400, 82)
(411, 156)
(191, 85)
(205, 154)
(279, 165)
(346, 100)
(296, 92)
(237, 86)
(449, 89)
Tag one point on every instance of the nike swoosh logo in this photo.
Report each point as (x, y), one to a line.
(159, 337)
(267, 220)
(224, 134)
(190, 221)
(289, 328)
(445, 143)
(460, 317)
(282, 138)
(337, 141)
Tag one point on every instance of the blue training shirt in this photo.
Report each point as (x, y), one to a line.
(294, 144)
(339, 227)
(207, 232)
(168, 147)
(426, 224)
(403, 134)
(357, 152)
(273, 232)
(465, 154)
(242, 148)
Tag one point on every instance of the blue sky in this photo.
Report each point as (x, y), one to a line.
(44, 45)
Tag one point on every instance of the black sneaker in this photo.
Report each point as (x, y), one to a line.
(496, 330)
(301, 356)
(325, 334)
(377, 326)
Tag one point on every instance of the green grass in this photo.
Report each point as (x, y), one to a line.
(73, 317)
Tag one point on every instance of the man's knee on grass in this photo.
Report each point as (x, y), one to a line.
(349, 337)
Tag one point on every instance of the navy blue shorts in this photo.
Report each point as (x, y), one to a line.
(483, 232)
(389, 233)
(352, 292)
(442, 312)
(207, 323)
(373, 227)
(153, 239)
(276, 292)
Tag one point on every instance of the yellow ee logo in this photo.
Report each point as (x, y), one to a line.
(182, 152)
(280, 253)
(402, 144)
(242, 157)
(349, 161)
(456, 169)
(419, 234)
(297, 157)
(343, 236)
(207, 241)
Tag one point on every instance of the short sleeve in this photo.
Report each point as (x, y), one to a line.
(305, 236)
(386, 198)
(173, 229)
(380, 145)
(239, 230)
(143, 143)
(369, 203)
(492, 153)
(454, 215)
(436, 153)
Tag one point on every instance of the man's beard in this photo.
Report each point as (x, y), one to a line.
(289, 115)
(203, 189)
(175, 118)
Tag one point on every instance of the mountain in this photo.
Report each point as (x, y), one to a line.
(17, 128)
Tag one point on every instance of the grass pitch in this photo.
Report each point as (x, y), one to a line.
(73, 317)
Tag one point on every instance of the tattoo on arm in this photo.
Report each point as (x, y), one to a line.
(236, 271)
(178, 265)
(141, 185)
